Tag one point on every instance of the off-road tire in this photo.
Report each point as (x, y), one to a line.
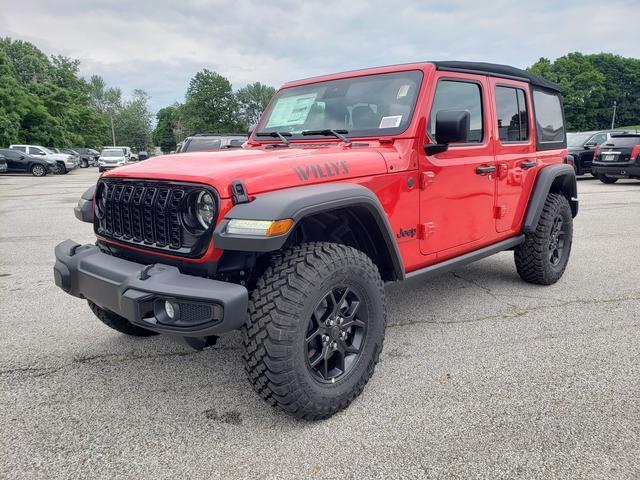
(274, 336)
(607, 179)
(38, 170)
(118, 323)
(532, 256)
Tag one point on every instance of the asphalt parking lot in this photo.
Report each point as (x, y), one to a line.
(482, 375)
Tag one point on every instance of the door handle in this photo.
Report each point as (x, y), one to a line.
(485, 170)
(527, 165)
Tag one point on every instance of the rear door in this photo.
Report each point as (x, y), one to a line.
(458, 186)
(14, 161)
(515, 151)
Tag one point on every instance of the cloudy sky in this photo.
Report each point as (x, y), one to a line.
(159, 45)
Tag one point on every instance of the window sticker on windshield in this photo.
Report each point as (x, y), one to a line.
(403, 91)
(291, 110)
(390, 122)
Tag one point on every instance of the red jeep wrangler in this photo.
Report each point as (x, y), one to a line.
(348, 181)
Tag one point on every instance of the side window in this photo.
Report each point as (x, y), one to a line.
(455, 95)
(513, 119)
(21, 149)
(598, 139)
(549, 122)
(35, 151)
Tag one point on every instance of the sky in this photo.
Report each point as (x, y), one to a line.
(159, 45)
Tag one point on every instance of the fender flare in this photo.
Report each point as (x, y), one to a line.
(300, 202)
(559, 178)
(84, 210)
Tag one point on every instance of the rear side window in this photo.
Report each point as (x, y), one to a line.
(21, 149)
(513, 118)
(202, 144)
(626, 141)
(455, 95)
(549, 120)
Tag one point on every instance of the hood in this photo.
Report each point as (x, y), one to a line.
(261, 169)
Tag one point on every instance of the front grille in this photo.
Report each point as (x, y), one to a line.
(148, 214)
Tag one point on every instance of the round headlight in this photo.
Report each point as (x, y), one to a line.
(101, 200)
(205, 209)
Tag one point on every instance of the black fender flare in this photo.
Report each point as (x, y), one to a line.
(297, 203)
(558, 178)
(84, 210)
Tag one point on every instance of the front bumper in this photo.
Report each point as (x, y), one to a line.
(138, 292)
(70, 164)
(620, 170)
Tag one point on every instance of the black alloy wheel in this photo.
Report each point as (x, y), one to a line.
(557, 241)
(336, 334)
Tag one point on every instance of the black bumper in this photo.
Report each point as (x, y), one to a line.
(138, 292)
(621, 171)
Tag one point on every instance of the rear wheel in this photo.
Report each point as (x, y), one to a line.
(118, 323)
(607, 179)
(38, 170)
(315, 329)
(544, 255)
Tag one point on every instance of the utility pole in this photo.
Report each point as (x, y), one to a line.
(613, 119)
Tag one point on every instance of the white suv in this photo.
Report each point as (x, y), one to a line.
(64, 161)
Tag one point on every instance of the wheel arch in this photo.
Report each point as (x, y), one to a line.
(339, 212)
(558, 178)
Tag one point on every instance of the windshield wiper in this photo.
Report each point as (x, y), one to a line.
(280, 135)
(336, 133)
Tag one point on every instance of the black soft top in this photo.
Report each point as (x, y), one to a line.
(497, 70)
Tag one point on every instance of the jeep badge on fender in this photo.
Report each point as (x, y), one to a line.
(347, 182)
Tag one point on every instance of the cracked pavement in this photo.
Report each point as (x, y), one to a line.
(482, 375)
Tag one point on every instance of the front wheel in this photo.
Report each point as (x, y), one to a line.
(315, 329)
(84, 164)
(607, 179)
(38, 170)
(61, 169)
(544, 255)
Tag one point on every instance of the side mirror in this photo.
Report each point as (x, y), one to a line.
(21, 157)
(252, 127)
(452, 126)
(589, 146)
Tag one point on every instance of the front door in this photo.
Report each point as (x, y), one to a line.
(458, 186)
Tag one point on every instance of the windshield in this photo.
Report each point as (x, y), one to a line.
(577, 139)
(112, 153)
(372, 105)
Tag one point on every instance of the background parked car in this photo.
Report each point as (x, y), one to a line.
(582, 146)
(3, 164)
(204, 142)
(112, 158)
(64, 162)
(88, 155)
(18, 161)
(143, 155)
(617, 158)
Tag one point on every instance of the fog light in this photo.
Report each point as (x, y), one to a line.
(170, 311)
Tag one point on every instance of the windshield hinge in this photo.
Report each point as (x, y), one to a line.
(239, 192)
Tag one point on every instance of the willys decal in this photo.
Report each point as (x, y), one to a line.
(322, 170)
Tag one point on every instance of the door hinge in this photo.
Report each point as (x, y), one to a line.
(500, 211)
(426, 179)
(426, 230)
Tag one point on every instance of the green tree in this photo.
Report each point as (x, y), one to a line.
(165, 133)
(210, 105)
(133, 122)
(591, 84)
(252, 100)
